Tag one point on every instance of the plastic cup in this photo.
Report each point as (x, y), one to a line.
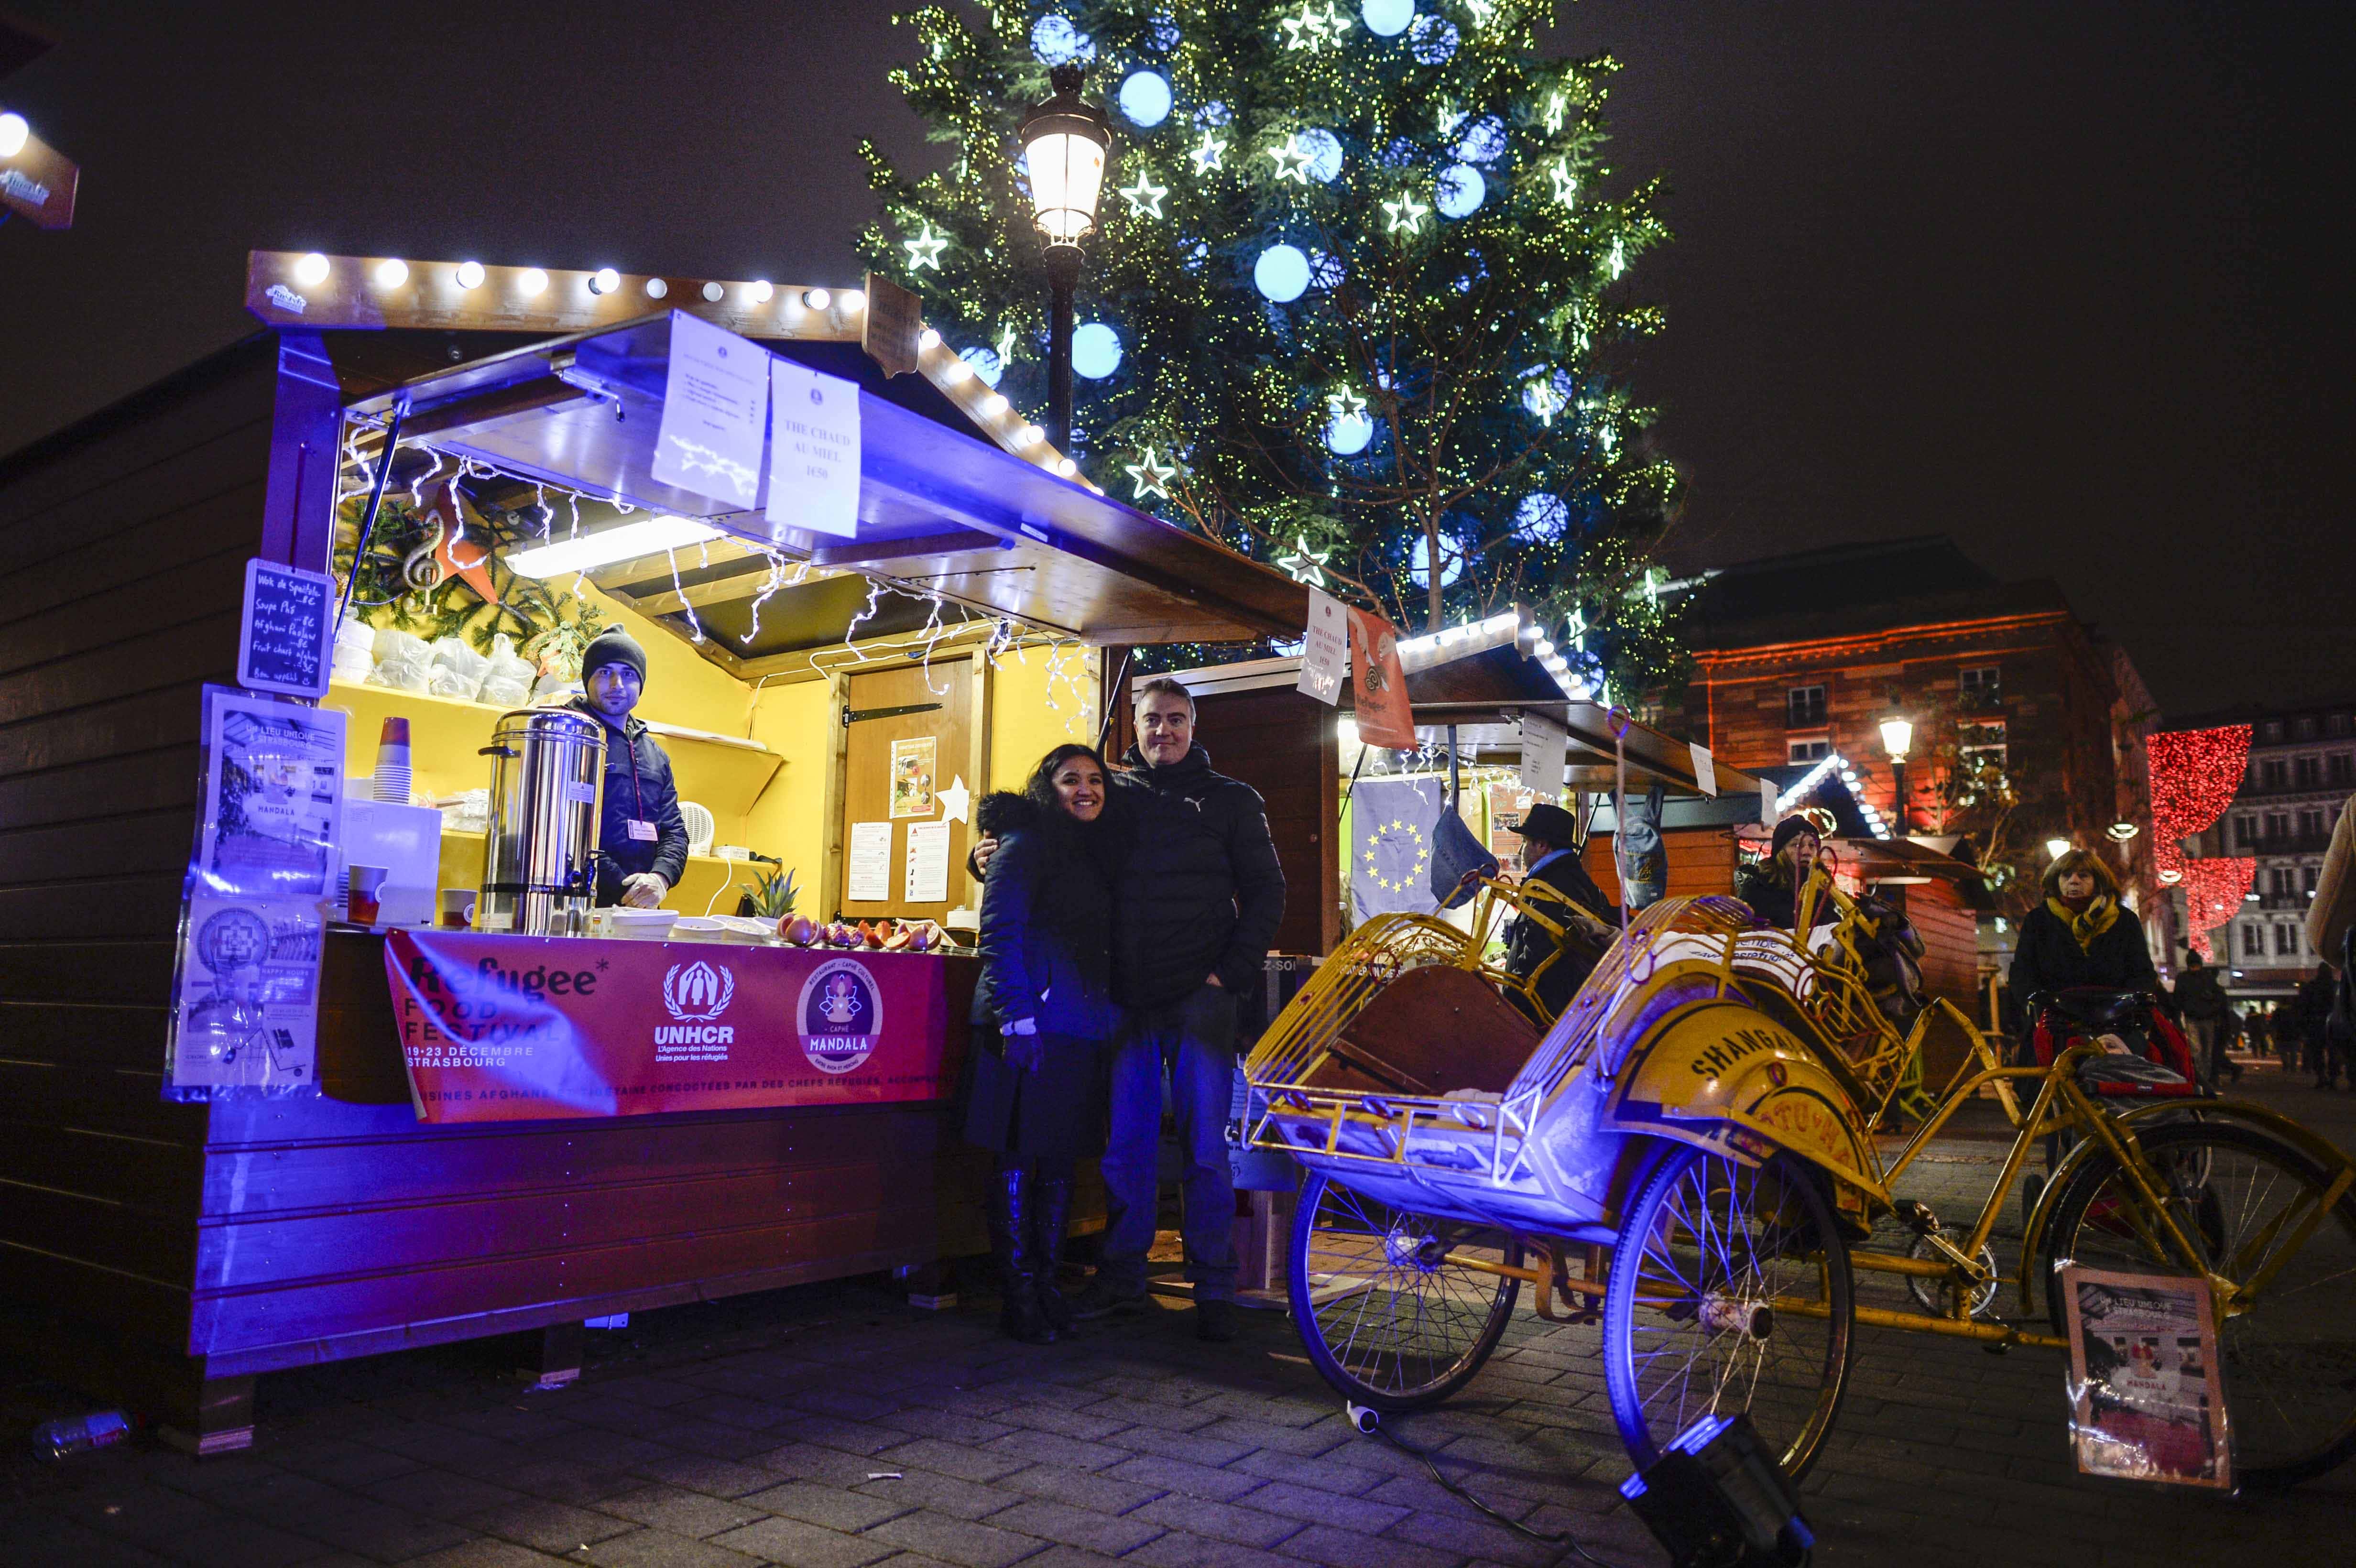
(458, 907)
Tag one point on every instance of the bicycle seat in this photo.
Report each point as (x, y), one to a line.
(2099, 1008)
(2119, 1074)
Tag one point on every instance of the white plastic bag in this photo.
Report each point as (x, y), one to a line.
(506, 682)
(557, 688)
(403, 661)
(457, 670)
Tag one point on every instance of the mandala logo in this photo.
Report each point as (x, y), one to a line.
(840, 1015)
(697, 992)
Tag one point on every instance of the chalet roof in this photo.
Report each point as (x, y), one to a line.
(1849, 589)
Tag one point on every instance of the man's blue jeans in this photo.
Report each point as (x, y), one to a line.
(1193, 1042)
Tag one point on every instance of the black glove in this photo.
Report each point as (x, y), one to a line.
(1024, 1051)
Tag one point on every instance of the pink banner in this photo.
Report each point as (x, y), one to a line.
(502, 1029)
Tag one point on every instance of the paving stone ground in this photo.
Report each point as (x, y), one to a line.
(833, 1427)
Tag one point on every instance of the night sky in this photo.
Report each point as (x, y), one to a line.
(2065, 280)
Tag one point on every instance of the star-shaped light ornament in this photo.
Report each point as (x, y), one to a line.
(1150, 476)
(1211, 153)
(1565, 184)
(1406, 215)
(1006, 343)
(1304, 564)
(1312, 30)
(1483, 12)
(1544, 400)
(1144, 198)
(925, 249)
(1291, 161)
(1557, 108)
(955, 800)
(1345, 404)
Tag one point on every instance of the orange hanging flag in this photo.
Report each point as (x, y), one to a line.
(1379, 683)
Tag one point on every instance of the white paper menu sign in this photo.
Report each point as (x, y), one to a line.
(813, 451)
(928, 863)
(715, 411)
(1324, 649)
(1545, 750)
(870, 863)
(1705, 769)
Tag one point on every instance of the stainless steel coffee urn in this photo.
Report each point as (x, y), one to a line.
(539, 875)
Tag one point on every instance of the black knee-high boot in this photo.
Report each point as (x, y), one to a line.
(1051, 1210)
(1013, 1202)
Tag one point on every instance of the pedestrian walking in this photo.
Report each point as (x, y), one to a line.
(1198, 901)
(1037, 1099)
(2326, 1057)
(2201, 1000)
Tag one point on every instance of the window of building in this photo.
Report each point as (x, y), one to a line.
(2307, 728)
(2254, 941)
(1806, 706)
(2287, 941)
(2275, 774)
(2309, 772)
(2278, 881)
(2307, 875)
(1808, 751)
(2341, 768)
(2245, 831)
(1980, 686)
(1979, 742)
(2278, 824)
(2274, 728)
(2336, 725)
(2310, 823)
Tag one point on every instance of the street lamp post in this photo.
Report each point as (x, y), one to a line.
(1064, 143)
(1897, 739)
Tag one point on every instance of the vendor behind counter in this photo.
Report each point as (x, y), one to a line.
(641, 834)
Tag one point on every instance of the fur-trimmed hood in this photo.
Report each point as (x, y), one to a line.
(1003, 811)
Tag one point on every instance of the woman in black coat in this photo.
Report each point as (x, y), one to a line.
(1047, 948)
(1772, 887)
(2081, 935)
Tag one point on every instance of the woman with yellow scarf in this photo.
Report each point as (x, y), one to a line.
(2081, 935)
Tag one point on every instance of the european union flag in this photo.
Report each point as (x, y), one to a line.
(1390, 860)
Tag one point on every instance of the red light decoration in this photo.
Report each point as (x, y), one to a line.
(2194, 774)
(2213, 889)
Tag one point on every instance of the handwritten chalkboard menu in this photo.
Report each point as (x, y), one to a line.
(289, 617)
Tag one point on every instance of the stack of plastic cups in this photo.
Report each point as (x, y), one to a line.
(392, 784)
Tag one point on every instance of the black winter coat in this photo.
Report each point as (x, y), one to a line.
(1774, 900)
(1529, 945)
(1046, 927)
(638, 788)
(1202, 893)
(2048, 958)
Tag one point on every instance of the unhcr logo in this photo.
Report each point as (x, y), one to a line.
(697, 992)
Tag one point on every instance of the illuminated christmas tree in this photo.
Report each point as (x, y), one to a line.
(1354, 303)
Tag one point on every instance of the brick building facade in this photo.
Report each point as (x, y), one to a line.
(1802, 655)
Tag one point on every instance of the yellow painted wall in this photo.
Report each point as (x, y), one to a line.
(789, 819)
(1040, 698)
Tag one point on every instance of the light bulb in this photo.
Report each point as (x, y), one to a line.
(956, 370)
(928, 339)
(761, 291)
(532, 283)
(994, 405)
(817, 299)
(854, 302)
(711, 293)
(1067, 467)
(14, 133)
(605, 280)
(391, 272)
(1030, 435)
(470, 274)
(657, 288)
(311, 270)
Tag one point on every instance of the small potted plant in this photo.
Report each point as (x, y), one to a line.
(771, 897)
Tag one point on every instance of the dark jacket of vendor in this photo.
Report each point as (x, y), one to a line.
(1203, 892)
(641, 833)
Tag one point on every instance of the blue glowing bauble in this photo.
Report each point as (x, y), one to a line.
(1096, 351)
(1432, 42)
(1214, 113)
(1419, 569)
(1164, 32)
(1483, 141)
(1145, 99)
(1387, 18)
(1542, 517)
(1324, 150)
(1348, 436)
(986, 365)
(1401, 152)
(1460, 191)
(1325, 271)
(1055, 41)
(1194, 255)
(1281, 273)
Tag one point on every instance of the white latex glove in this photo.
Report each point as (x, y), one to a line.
(644, 890)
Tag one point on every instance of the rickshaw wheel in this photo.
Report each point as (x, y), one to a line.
(1729, 1290)
(1385, 1318)
(2288, 1354)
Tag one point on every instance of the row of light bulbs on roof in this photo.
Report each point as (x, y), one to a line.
(311, 270)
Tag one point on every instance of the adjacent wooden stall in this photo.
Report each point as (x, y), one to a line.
(165, 1253)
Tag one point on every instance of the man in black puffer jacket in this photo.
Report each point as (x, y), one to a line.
(1196, 907)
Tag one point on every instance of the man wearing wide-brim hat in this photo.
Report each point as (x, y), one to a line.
(1554, 885)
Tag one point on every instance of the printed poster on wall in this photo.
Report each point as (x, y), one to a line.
(869, 875)
(913, 761)
(245, 986)
(715, 403)
(928, 863)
